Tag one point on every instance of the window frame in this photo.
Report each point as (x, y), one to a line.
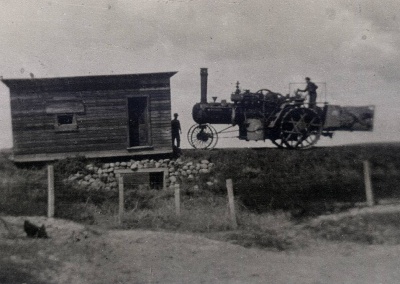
(68, 127)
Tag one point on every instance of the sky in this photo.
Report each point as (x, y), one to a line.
(350, 47)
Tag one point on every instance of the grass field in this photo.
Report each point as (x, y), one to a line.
(275, 191)
(314, 179)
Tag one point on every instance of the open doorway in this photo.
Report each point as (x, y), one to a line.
(138, 122)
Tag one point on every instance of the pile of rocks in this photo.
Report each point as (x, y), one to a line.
(105, 176)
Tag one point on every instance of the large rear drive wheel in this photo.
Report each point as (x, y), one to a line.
(300, 128)
(278, 142)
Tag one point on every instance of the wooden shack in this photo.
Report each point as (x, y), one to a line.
(92, 116)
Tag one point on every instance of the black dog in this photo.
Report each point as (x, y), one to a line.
(33, 231)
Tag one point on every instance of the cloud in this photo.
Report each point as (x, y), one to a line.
(314, 33)
(376, 37)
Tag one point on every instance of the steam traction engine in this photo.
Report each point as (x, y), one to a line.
(285, 120)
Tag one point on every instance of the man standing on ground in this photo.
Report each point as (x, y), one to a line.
(176, 131)
(312, 92)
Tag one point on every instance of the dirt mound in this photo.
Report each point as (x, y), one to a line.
(379, 209)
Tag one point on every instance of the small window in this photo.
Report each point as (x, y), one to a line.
(66, 122)
(65, 119)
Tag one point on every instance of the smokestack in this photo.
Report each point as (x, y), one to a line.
(203, 78)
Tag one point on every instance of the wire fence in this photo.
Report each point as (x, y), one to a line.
(70, 197)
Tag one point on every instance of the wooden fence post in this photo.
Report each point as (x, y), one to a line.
(121, 206)
(177, 200)
(368, 186)
(231, 200)
(50, 191)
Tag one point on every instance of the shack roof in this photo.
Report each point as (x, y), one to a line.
(102, 82)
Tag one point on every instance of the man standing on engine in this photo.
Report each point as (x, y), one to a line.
(176, 131)
(311, 88)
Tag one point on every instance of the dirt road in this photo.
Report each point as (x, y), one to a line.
(153, 257)
(82, 256)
